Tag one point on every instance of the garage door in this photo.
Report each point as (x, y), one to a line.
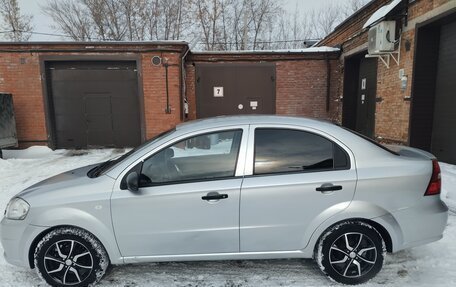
(443, 144)
(235, 89)
(365, 102)
(94, 104)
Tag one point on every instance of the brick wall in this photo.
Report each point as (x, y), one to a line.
(393, 112)
(301, 85)
(190, 89)
(154, 88)
(20, 75)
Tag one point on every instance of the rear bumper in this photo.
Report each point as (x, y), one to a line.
(16, 237)
(420, 224)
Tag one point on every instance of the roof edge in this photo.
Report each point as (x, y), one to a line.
(94, 43)
(312, 50)
(362, 9)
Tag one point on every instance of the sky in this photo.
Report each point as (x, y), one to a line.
(42, 23)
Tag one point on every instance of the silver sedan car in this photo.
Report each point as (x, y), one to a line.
(245, 187)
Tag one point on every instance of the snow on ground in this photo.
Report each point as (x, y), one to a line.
(449, 184)
(430, 265)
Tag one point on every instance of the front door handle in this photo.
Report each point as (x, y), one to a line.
(214, 196)
(328, 187)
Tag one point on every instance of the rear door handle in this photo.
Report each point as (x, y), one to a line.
(328, 187)
(214, 196)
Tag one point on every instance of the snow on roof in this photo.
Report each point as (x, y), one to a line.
(381, 13)
(278, 51)
(107, 43)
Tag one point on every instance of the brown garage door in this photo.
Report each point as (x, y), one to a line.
(94, 104)
(367, 91)
(443, 144)
(234, 89)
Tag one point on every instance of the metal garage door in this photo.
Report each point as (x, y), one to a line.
(233, 89)
(367, 91)
(94, 104)
(443, 144)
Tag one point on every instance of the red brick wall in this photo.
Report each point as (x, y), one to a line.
(300, 84)
(20, 75)
(301, 88)
(24, 82)
(392, 114)
(154, 88)
(190, 91)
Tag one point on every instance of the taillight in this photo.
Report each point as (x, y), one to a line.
(435, 184)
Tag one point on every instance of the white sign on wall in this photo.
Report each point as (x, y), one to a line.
(218, 92)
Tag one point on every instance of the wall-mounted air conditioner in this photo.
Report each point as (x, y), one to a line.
(382, 37)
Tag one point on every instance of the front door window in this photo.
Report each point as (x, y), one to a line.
(203, 157)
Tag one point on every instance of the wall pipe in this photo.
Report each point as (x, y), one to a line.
(168, 108)
(183, 90)
(328, 83)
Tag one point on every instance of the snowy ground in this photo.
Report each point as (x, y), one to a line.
(430, 265)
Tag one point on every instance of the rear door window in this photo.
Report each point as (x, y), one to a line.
(287, 150)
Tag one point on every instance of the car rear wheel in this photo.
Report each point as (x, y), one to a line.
(70, 257)
(351, 252)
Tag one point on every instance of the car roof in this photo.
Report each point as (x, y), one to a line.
(221, 121)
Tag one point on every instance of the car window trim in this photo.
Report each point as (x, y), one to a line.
(158, 184)
(296, 172)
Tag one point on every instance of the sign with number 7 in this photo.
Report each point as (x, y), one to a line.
(218, 92)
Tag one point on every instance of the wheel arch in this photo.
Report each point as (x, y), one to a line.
(377, 226)
(99, 225)
(379, 218)
(37, 239)
(384, 233)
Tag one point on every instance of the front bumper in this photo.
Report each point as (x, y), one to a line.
(16, 237)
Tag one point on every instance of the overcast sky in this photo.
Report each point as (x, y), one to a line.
(42, 23)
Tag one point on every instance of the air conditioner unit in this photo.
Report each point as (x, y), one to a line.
(382, 37)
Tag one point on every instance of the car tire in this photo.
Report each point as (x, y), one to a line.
(70, 256)
(351, 252)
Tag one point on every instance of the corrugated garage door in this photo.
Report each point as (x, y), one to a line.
(94, 104)
(443, 143)
(233, 89)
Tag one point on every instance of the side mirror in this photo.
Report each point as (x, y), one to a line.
(133, 182)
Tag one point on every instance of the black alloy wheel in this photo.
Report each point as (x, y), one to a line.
(351, 252)
(70, 257)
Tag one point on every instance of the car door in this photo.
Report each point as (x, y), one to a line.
(188, 198)
(295, 179)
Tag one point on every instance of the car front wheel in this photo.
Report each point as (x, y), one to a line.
(70, 257)
(351, 252)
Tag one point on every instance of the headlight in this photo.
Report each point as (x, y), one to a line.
(17, 209)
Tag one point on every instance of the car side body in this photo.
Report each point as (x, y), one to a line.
(263, 216)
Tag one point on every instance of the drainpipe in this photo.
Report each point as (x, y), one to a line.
(328, 83)
(168, 107)
(183, 95)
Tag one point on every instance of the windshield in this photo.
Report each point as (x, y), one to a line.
(104, 166)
